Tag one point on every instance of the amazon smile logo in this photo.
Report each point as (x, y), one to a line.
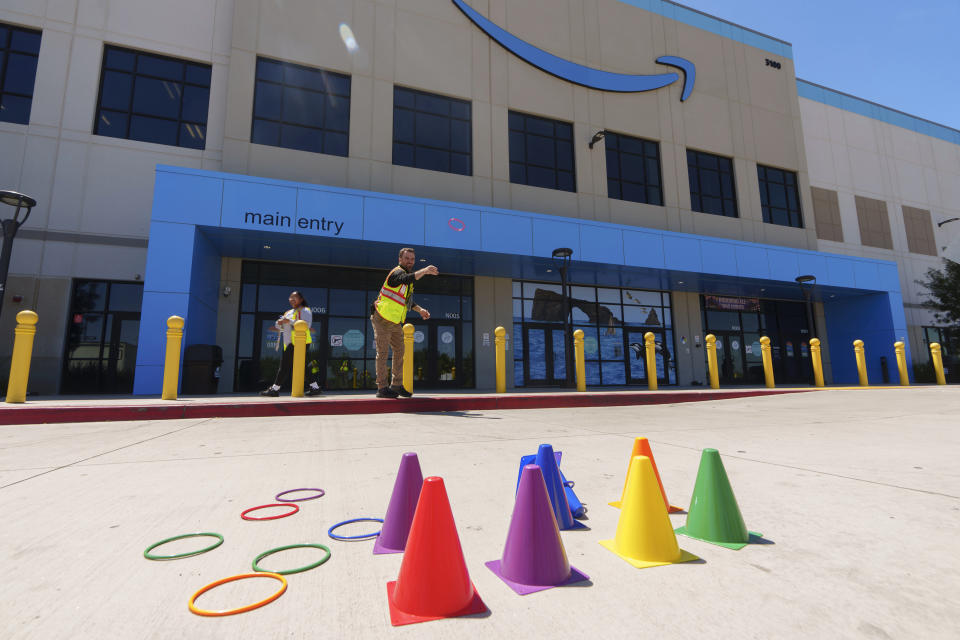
(578, 73)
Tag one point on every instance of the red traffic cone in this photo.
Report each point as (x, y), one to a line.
(433, 581)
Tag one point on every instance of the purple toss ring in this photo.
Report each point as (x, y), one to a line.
(283, 493)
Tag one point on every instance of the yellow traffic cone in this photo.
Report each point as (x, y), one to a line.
(645, 537)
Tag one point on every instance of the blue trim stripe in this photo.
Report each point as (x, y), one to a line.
(719, 26)
(873, 110)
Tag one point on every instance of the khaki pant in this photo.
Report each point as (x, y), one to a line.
(388, 335)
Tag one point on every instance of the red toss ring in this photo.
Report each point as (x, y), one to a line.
(451, 221)
(264, 506)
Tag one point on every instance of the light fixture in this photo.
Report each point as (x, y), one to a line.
(227, 291)
(597, 137)
(10, 228)
(809, 281)
(266, 246)
(943, 222)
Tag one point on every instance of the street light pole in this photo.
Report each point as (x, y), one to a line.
(561, 258)
(807, 291)
(10, 228)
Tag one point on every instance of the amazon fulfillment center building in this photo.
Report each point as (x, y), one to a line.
(203, 158)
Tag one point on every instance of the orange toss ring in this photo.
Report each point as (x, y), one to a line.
(245, 608)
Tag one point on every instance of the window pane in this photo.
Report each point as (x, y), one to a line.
(269, 70)
(21, 72)
(265, 133)
(25, 41)
(336, 115)
(335, 144)
(192, 135)
(125, 297)
(302, 138)
(153, 130)
(403, 126)
(267, 101)
(302, 107)
(198, 74)
(116, 90)
(195, 103)
(424, 121)
(15, 109)
(112, 124)
(432, 131)
(160, 67)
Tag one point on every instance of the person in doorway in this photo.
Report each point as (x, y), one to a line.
(388, 312)
(299, 310)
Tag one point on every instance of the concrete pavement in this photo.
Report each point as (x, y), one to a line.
(858, 490)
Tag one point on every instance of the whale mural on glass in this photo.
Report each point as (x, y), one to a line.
(578, 73)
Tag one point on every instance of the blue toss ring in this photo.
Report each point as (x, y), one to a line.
(348, 538)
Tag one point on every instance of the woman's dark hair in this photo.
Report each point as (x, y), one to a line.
(303, 301)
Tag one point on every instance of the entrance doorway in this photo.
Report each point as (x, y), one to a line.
(544, 358)
(437, 357)
(637, 373)
(262, 369)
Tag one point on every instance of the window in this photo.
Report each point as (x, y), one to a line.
(826, 214)
(541, 152)
(874, 223)
(431, 132)
(779, 198)
(299, 107)
(19, 50)
(633, 169)
(153, 98)
(919, 231)
(711, 184)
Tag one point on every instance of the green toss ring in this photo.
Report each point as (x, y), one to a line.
(149, 556)
(292, 546)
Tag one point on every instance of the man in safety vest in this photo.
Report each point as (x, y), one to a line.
(388, 314)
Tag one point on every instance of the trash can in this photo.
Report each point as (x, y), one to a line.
(201, 369)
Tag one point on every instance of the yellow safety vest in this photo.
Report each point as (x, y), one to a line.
(392, 301)
(296, 316)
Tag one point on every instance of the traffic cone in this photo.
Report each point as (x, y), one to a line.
(645, 536)
(533, 557)
(714, 516)
(641, 447)
(403, 504)
(547, 462)
(576, 507)
(433, 582)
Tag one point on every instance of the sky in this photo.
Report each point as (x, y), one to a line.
(902, 54)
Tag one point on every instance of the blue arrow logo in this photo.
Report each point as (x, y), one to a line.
(578, 73)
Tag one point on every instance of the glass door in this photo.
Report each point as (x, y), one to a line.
(730, 357)
(122, 352)
(544, 355)
(261, 371)
(637, 355)
(436, 354)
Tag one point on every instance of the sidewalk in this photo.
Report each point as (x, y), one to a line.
(49, 410)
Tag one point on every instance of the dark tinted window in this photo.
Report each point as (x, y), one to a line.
(711, 184)
(19, 50)
(432, 132)
(153, 98)
(633, 169)
(541, 152)
(299, 107)
(779, 196)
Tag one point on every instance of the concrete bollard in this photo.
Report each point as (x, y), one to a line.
(817, 362)
(500, 353)
(649, 343)
(299, 338)
(171, 363)
(712, 361)
(936, 355)
(408, 357)
(22, 354)
(578, 360)
(767, 362)
(861, 356)
(901, 352)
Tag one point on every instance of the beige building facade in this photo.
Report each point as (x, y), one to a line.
(96, 193)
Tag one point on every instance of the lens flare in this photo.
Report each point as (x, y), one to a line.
(346, 34)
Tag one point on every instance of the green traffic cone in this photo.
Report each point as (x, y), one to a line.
(714, 516)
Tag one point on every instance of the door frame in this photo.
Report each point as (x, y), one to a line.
(550, 364)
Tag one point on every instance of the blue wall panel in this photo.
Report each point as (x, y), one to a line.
(682, 253)
(643, 249)
(601, 244)
(151, 344)
(866, 275)
(784, 265)
(553, 234)
(329, 214)
(246, 201)
(169, 257)
(179, 197)
(504, 233)
(873, 318)
(840, 272)
(752, 262)
(719, 257)
(397, 221)
(453, 227)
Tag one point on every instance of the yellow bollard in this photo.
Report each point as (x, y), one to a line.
(859, 352)
(817, 362)
(171, 365)
(935, 354)
(767, 362)
(408, 357)
(902, 363)
(578, 359)
(712, 361)
(22, 353)
(300, 329)
(651, 348)
(354, 377)
(500, 354)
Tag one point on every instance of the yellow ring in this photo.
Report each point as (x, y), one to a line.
(243, 609)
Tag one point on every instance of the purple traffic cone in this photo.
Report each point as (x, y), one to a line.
(547, 462)
(403, 504)
(533, 557)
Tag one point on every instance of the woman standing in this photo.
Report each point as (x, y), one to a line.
(299, 310)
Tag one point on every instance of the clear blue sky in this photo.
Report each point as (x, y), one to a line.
(903, 54)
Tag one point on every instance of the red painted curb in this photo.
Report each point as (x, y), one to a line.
(27, 414)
